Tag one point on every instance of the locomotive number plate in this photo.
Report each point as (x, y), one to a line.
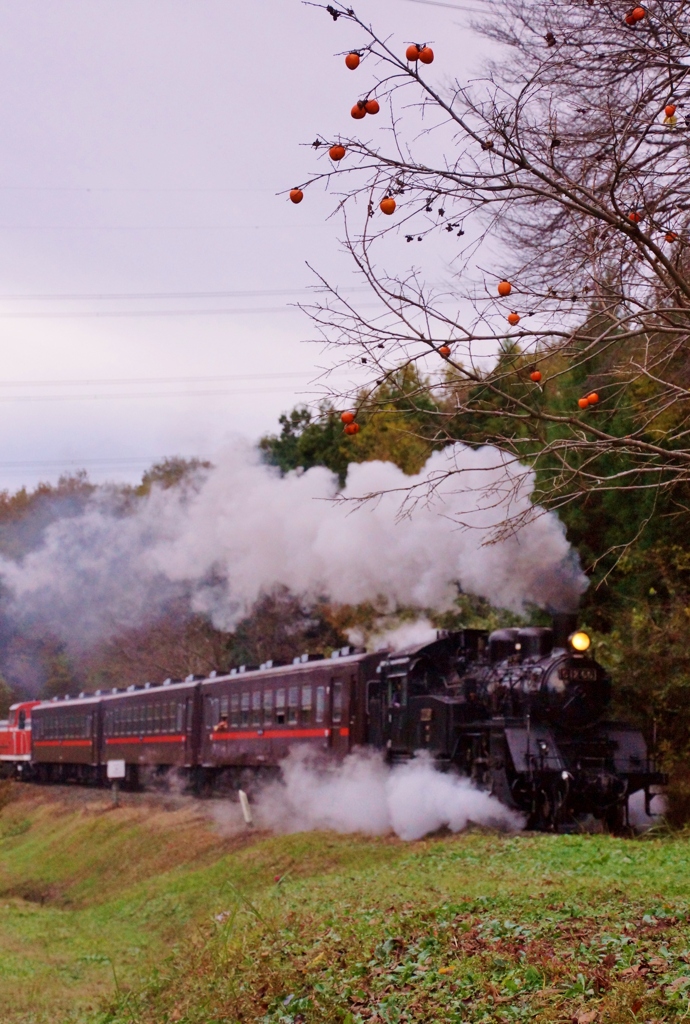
(578, 673)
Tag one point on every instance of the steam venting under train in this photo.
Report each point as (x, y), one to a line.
(522, 712)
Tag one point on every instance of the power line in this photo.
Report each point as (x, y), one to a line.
(144, 394)
(155, 227)
(451, 7)
(116, 296)
(97, 381)
(144, 313)
(144, 188)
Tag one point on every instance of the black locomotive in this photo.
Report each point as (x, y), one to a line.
(522, 712)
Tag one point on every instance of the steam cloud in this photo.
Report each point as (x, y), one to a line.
(362, 794)
(242, 529)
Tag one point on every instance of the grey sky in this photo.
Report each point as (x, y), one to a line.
(144, 142)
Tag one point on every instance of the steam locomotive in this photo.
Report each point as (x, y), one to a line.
(519, 711)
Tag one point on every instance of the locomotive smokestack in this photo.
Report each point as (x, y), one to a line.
(564, 624)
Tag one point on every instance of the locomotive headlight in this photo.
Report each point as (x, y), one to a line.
(579, 641)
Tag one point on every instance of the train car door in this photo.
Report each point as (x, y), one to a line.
(395, 698)
(339, 705)
(376, 733)
(190, 752)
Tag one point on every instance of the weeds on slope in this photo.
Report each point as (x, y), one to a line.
(473, 928)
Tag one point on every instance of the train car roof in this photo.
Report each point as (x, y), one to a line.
(167, 687)
(24, 704)
(354, 656)
(406, 653)
(66, 702)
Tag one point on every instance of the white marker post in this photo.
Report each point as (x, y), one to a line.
(116, 770)
(246, 809)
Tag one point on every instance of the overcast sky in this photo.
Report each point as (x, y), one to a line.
(143, 144)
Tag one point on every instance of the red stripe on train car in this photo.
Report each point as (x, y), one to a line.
(128, 740)
(271, 734)
(63, 743)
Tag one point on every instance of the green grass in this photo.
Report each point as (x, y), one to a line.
(145, 916)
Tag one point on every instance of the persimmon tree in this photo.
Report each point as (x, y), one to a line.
(560, 175)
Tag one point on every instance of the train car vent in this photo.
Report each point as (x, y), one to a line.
(147, 686)
(166, 682)
(297, 660)
(212, 674)
(114, 690)
(345, 651)
(189, 678)
(242, 668)
(233, 671)
(335, 654)
(131, 688)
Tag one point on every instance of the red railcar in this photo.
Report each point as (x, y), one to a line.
(15, 738)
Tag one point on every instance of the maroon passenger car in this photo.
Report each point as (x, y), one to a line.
(151, 727)
(320, 702)
(249, 718)
(65, 739)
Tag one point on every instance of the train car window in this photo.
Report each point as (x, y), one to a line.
(337, 701)
(244, 709)
(397, 691)
(22, 720)
(268, 707)
(157, 717)
(180, 716)
(209, 717)
(320, 703)
(224, 705)
(256, 708)
(306, 703)
(235, 709)
(108, 723)
(280, 707)
(293, 705)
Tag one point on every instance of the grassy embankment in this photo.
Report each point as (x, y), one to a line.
(146, 916)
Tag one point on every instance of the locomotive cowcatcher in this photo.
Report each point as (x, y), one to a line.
(522, 712)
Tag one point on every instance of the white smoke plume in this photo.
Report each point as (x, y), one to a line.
(394, 637)
(362, 794)
(243, 529)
